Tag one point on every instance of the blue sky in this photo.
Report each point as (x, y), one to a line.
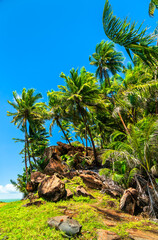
(38, 41)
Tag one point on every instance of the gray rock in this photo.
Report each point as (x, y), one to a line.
(65, 224)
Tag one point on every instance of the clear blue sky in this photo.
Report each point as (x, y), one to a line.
(38, 40)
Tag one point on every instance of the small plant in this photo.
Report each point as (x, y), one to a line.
(77, 144)
(69, 160)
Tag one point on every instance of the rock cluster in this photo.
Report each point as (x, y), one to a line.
(51, 187)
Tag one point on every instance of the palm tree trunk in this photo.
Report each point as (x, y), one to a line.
(59, 124)
(35, 161)
(89, 132)
(106, 78)
(82, 141)
(86, 141)
(156, 103)
(123, 123)
(93, 145)
(28, 146)
(25, 153)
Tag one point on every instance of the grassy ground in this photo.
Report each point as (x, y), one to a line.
(30, 223)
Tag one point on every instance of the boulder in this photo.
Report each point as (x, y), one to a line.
(66, 224)
(52, 189)
(112, 188)
(37, 177)
(71, 174)
(92, 181)
(48, 152)
(129, 200)
(80, 191)
(112, 192)
(55, 166)
(69, 194)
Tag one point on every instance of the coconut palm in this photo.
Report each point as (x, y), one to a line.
(131, 38)
(81, 93)
(140, 147)
(27, 111)
(107, 60)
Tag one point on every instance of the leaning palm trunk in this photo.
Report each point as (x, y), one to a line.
(123, 122)
(59, 124)
(93, 145)
(89, 132)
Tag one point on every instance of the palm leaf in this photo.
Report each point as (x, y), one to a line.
(127, 35)
(152, 6)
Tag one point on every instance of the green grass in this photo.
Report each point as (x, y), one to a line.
(30, 223)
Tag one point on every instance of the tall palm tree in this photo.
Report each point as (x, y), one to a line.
(82, 93)
(107, 60)
(27, 111)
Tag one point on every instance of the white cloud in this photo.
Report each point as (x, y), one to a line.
(9, 188)
(9, 191)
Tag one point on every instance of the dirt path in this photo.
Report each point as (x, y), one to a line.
(2, 204)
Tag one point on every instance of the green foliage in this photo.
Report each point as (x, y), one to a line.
(77, 144)
(20, 184)
(152, 6)
(127, 35)
(105, 171)
(139, 147)
(117, 116)
(107, 60)
(41, 163)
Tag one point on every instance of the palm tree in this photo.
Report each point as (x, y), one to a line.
(27, 111)
(82, 94)
(139, 146)
(57, 113)
(127, 35)
(107, 61)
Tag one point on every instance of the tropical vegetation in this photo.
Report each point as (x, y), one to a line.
(114, 110)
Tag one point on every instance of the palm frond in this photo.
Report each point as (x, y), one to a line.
(152, 6)
(131, 38)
